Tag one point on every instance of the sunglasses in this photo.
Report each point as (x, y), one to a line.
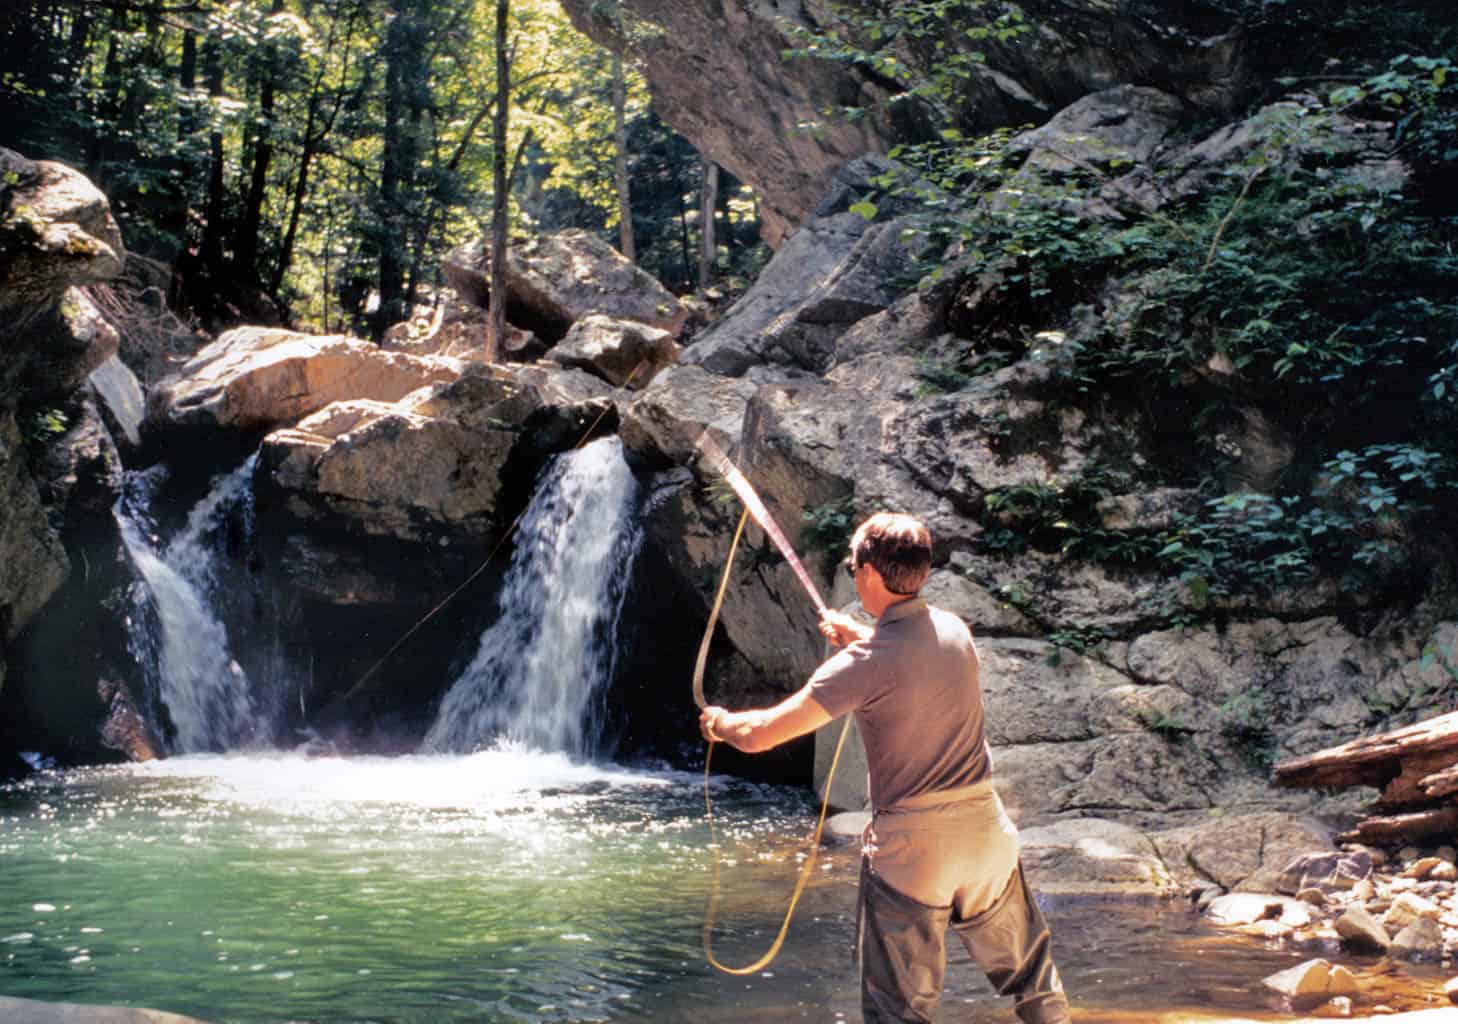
(850, 568)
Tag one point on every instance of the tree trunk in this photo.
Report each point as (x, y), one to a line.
(500, 199)
(251, 223)
(620, 150)
(685, 253)
(108, 103)
(296, 199)
(393, 167)
(80, 38)
(187, 80)
(708, 205)
(313, 139)
(212, 240)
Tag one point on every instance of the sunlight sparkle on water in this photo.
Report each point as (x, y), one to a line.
(485, 781)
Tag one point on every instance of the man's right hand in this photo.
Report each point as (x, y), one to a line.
(840, 629)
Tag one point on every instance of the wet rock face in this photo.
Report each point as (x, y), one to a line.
(71, 657)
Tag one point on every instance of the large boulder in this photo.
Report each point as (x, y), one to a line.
(838, 269)
(1094, 856)
(387, 458)
(621, 352)
(446, 466)
(254, 378)
(56, 233)
(664, 422)
(457, 328)
(383, 464)
(429, 466)
(1242, 853)
(553, 281)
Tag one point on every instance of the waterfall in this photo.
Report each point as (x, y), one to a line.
(176, 633)
(540, 669)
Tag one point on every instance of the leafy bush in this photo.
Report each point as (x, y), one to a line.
(828, 528)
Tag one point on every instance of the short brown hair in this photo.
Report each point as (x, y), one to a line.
(897, 546)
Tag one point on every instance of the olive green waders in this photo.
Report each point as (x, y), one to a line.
(950, 860)
(903, 953)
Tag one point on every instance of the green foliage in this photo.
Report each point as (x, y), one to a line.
(828, 528)
(1348, 525)
(315, 157)
(1064, 516)
(940, 377)
(721, 493)
(43, 425)
(930, 49)
(1410, 699)
(1077, 640)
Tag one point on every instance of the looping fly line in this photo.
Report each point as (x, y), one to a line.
(755, 507)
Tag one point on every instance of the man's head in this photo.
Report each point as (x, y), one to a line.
(898, 547)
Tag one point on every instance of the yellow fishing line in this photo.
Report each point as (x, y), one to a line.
(814, 846)
(812, 851)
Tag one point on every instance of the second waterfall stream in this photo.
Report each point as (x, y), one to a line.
(540, 671)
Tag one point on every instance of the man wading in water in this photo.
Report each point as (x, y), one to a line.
(940, 852)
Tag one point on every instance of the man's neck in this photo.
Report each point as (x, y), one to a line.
(878, 604)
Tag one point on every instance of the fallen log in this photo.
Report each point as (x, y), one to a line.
(1397, 762)
(1440, 821)
(1440, 784)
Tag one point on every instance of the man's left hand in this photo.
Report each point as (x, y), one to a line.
(709, 718)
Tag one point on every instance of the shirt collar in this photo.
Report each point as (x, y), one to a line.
(901, 610)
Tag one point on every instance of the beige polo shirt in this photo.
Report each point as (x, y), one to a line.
(914, 689)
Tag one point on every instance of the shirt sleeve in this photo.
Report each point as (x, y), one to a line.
(845, 681)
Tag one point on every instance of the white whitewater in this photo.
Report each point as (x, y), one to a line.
(538, 676)
(188, 658)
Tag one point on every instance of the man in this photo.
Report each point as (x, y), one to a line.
(940, 851)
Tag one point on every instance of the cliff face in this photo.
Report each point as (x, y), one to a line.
(718, 74)
(56, 233)
(57, 463)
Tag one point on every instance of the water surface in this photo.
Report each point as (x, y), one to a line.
(499, 886)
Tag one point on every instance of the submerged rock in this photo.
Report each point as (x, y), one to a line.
(30, 1011)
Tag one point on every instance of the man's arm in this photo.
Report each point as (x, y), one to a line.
(756, 731)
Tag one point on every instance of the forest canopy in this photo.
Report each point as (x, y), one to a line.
(311, 161)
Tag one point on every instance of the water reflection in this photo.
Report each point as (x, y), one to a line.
(503, 886)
